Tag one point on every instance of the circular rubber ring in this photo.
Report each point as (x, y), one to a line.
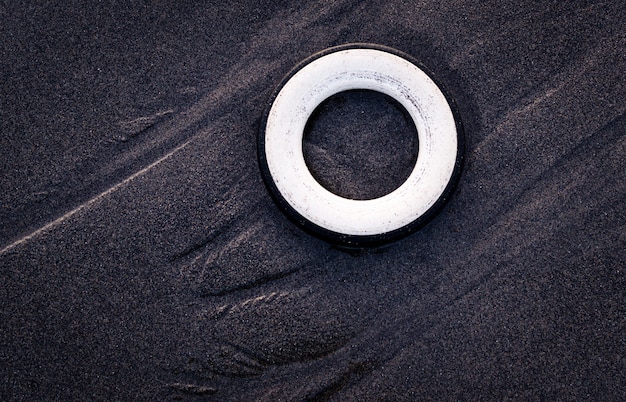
(340, 220)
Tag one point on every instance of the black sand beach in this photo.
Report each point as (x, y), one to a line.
(142, 258)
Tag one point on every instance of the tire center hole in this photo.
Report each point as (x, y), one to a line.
(360, 144)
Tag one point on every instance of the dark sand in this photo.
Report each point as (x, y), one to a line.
(141, 257)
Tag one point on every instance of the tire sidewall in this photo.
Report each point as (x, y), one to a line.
(349, 240)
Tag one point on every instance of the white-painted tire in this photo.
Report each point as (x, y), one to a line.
(360, 222)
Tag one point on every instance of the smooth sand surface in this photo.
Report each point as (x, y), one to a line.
(141, 257)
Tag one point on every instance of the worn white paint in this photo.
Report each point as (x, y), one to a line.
(361, 69)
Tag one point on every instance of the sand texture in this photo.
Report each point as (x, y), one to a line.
(142, 258)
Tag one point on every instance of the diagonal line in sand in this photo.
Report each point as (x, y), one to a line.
(92, 201)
